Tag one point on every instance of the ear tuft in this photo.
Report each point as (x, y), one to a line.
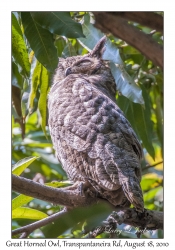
(99, 48)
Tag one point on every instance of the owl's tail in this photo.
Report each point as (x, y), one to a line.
(131, 187)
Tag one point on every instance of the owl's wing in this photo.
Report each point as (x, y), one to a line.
(92, 123)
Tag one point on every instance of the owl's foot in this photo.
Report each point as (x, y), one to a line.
(86, 189)
(74, 187)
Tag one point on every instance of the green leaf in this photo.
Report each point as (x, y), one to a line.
(97, 213)
(17, 80)
(28, 213)
(159, 117)
(35, 134)
(144, 124)
(140, 119)
(16, 97)
(19, 49)
(41, 42)
(127, 108)
(20, 200)
(151, 194)
(129, 50)
(36, 144)
(25, 98)
(150, 181)
(60, 43)
(21, 165)
(34, 84)
(124, 82)
(59, 23)
(42, 103)
(69, 50)
(58, 184)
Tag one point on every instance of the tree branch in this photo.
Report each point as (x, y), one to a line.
(69, 197)
(65, 197)
(149, 219)
(149, 19)
(108, 22)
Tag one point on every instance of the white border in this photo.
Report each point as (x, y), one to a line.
(5, 95)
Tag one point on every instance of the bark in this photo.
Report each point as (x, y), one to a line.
(68, 197)
(149, 19)
(119, 27)
(149, 219)
(71, 198)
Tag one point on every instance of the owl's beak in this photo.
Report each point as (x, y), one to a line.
(68, 71)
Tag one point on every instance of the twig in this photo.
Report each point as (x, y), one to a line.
(26, 230)
(151, 166)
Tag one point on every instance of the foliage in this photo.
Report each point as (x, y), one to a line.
(38, 39)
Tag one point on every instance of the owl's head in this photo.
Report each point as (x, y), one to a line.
(87, 64)
(90, 63)
(91, 66)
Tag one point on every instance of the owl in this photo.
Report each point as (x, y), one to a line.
(93, 140)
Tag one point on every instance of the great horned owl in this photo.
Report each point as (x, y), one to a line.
(93, 140)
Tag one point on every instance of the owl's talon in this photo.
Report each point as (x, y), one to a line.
(80, 189)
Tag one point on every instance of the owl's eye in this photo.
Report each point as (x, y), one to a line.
(83, 63)
(86, 63)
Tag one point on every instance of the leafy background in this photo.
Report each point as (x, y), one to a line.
(38, 39)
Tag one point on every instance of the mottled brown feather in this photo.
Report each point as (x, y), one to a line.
(93, 140)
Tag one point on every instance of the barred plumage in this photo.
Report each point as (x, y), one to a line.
(93, 140)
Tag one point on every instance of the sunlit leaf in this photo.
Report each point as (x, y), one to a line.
(36, 78)
(130, 50)
(59, 23)
(20, 200)
(21, 165)
(159, 117)
(151, 194)
(45, 77)
(41, 42)
(28, 213)
(25, 99)
(19, 49)
(158, 158)
(150, 181)
(36, 144)
(58, 184)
